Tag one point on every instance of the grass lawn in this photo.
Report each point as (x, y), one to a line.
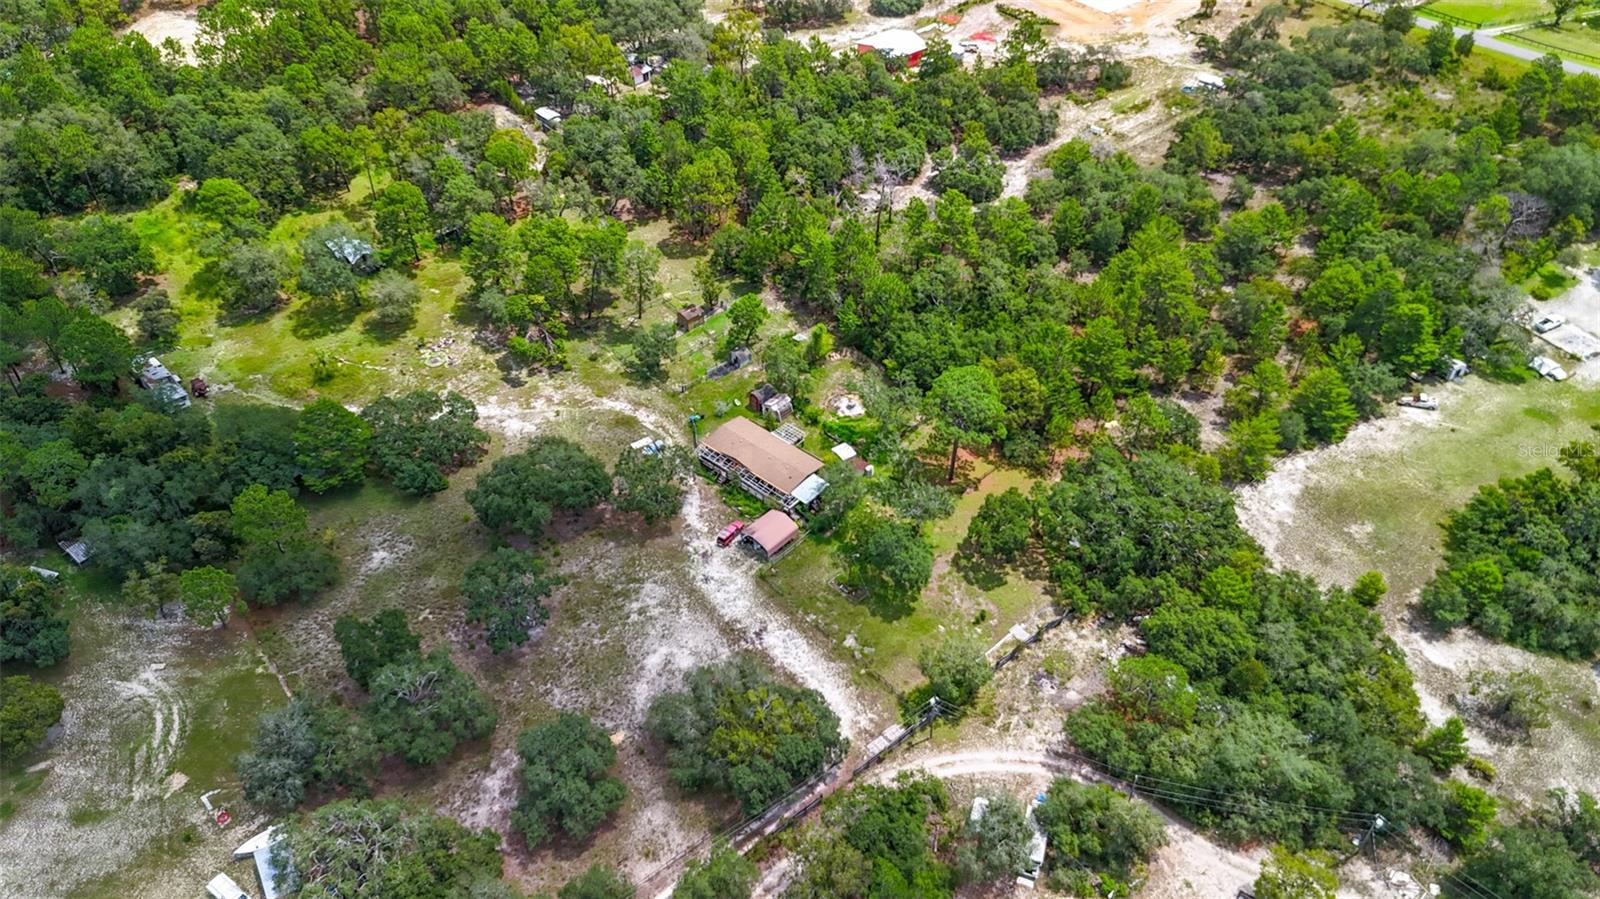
(1490, 12)
(1379, 505)
(275, 356)
(1574, 40)
(888, 639)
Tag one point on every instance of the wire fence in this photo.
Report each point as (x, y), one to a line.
(1521, 37)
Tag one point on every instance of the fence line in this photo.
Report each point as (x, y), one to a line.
(778, 816)
(1522, 38)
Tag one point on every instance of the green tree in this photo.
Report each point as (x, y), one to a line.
(369, 645)
(706, 188)
(394, 299)
(229, 205)
(508, 158)
(421, 707)
(400, 213)
(376, 849)
(51, 471)
(598, 882)
(565, 780)
(956, 669)
(505, 593)
(1303, 875)
(325, 274)
(304, 746)
(966, 408)
(33, 630)
(523, 491)
(1322, 399)
(281, 558)
(1252, 442)
(745, 318)
(1445, 746)
(158, 321)
(997, 844)
(332, 446)
(1003, 526)
(98, 351)
(420, 437)
(725, 874)
(1466, 816)
(735, 728)
(650, 484)
(250, 279)
(1369, 588)
(1527, 862)
(28, 709)
(208, 594)
(1099, 827)
(110, 254)
(886, 557)
(641, 269)
(653, 345)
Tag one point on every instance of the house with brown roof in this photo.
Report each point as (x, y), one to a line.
(763, 464)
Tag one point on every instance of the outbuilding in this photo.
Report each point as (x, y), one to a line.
(895, 43)
(548, 118)
(223, 887)
(259, 848)
(771, 534)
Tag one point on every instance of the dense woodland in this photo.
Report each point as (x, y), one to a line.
(1285, 254)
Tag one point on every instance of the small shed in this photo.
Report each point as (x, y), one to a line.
(641, 73)
(605, 85)
(352, 251)
(259, 848)
(223, 887)
(689, 317)
(547, 118)
(77, 550)
(740, 357)
(779, 406)
(771, 534)
(756, 400)
(844, 451)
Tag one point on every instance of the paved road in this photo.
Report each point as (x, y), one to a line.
(1485, 37)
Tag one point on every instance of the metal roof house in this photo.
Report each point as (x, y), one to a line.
(764, 465)
(771, 534)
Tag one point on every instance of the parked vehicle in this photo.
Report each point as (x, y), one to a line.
(730, 533)
(1420, 401)
(1547, 323)
(1548, 368)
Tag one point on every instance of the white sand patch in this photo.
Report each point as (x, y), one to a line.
(158, 25)
(385, 550)
(677, 644)
(1268, 508)
(730, 585)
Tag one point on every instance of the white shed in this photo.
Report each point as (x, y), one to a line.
(223, 887)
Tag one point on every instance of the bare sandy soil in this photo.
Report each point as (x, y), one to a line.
(158, 25)
(1580, 306)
